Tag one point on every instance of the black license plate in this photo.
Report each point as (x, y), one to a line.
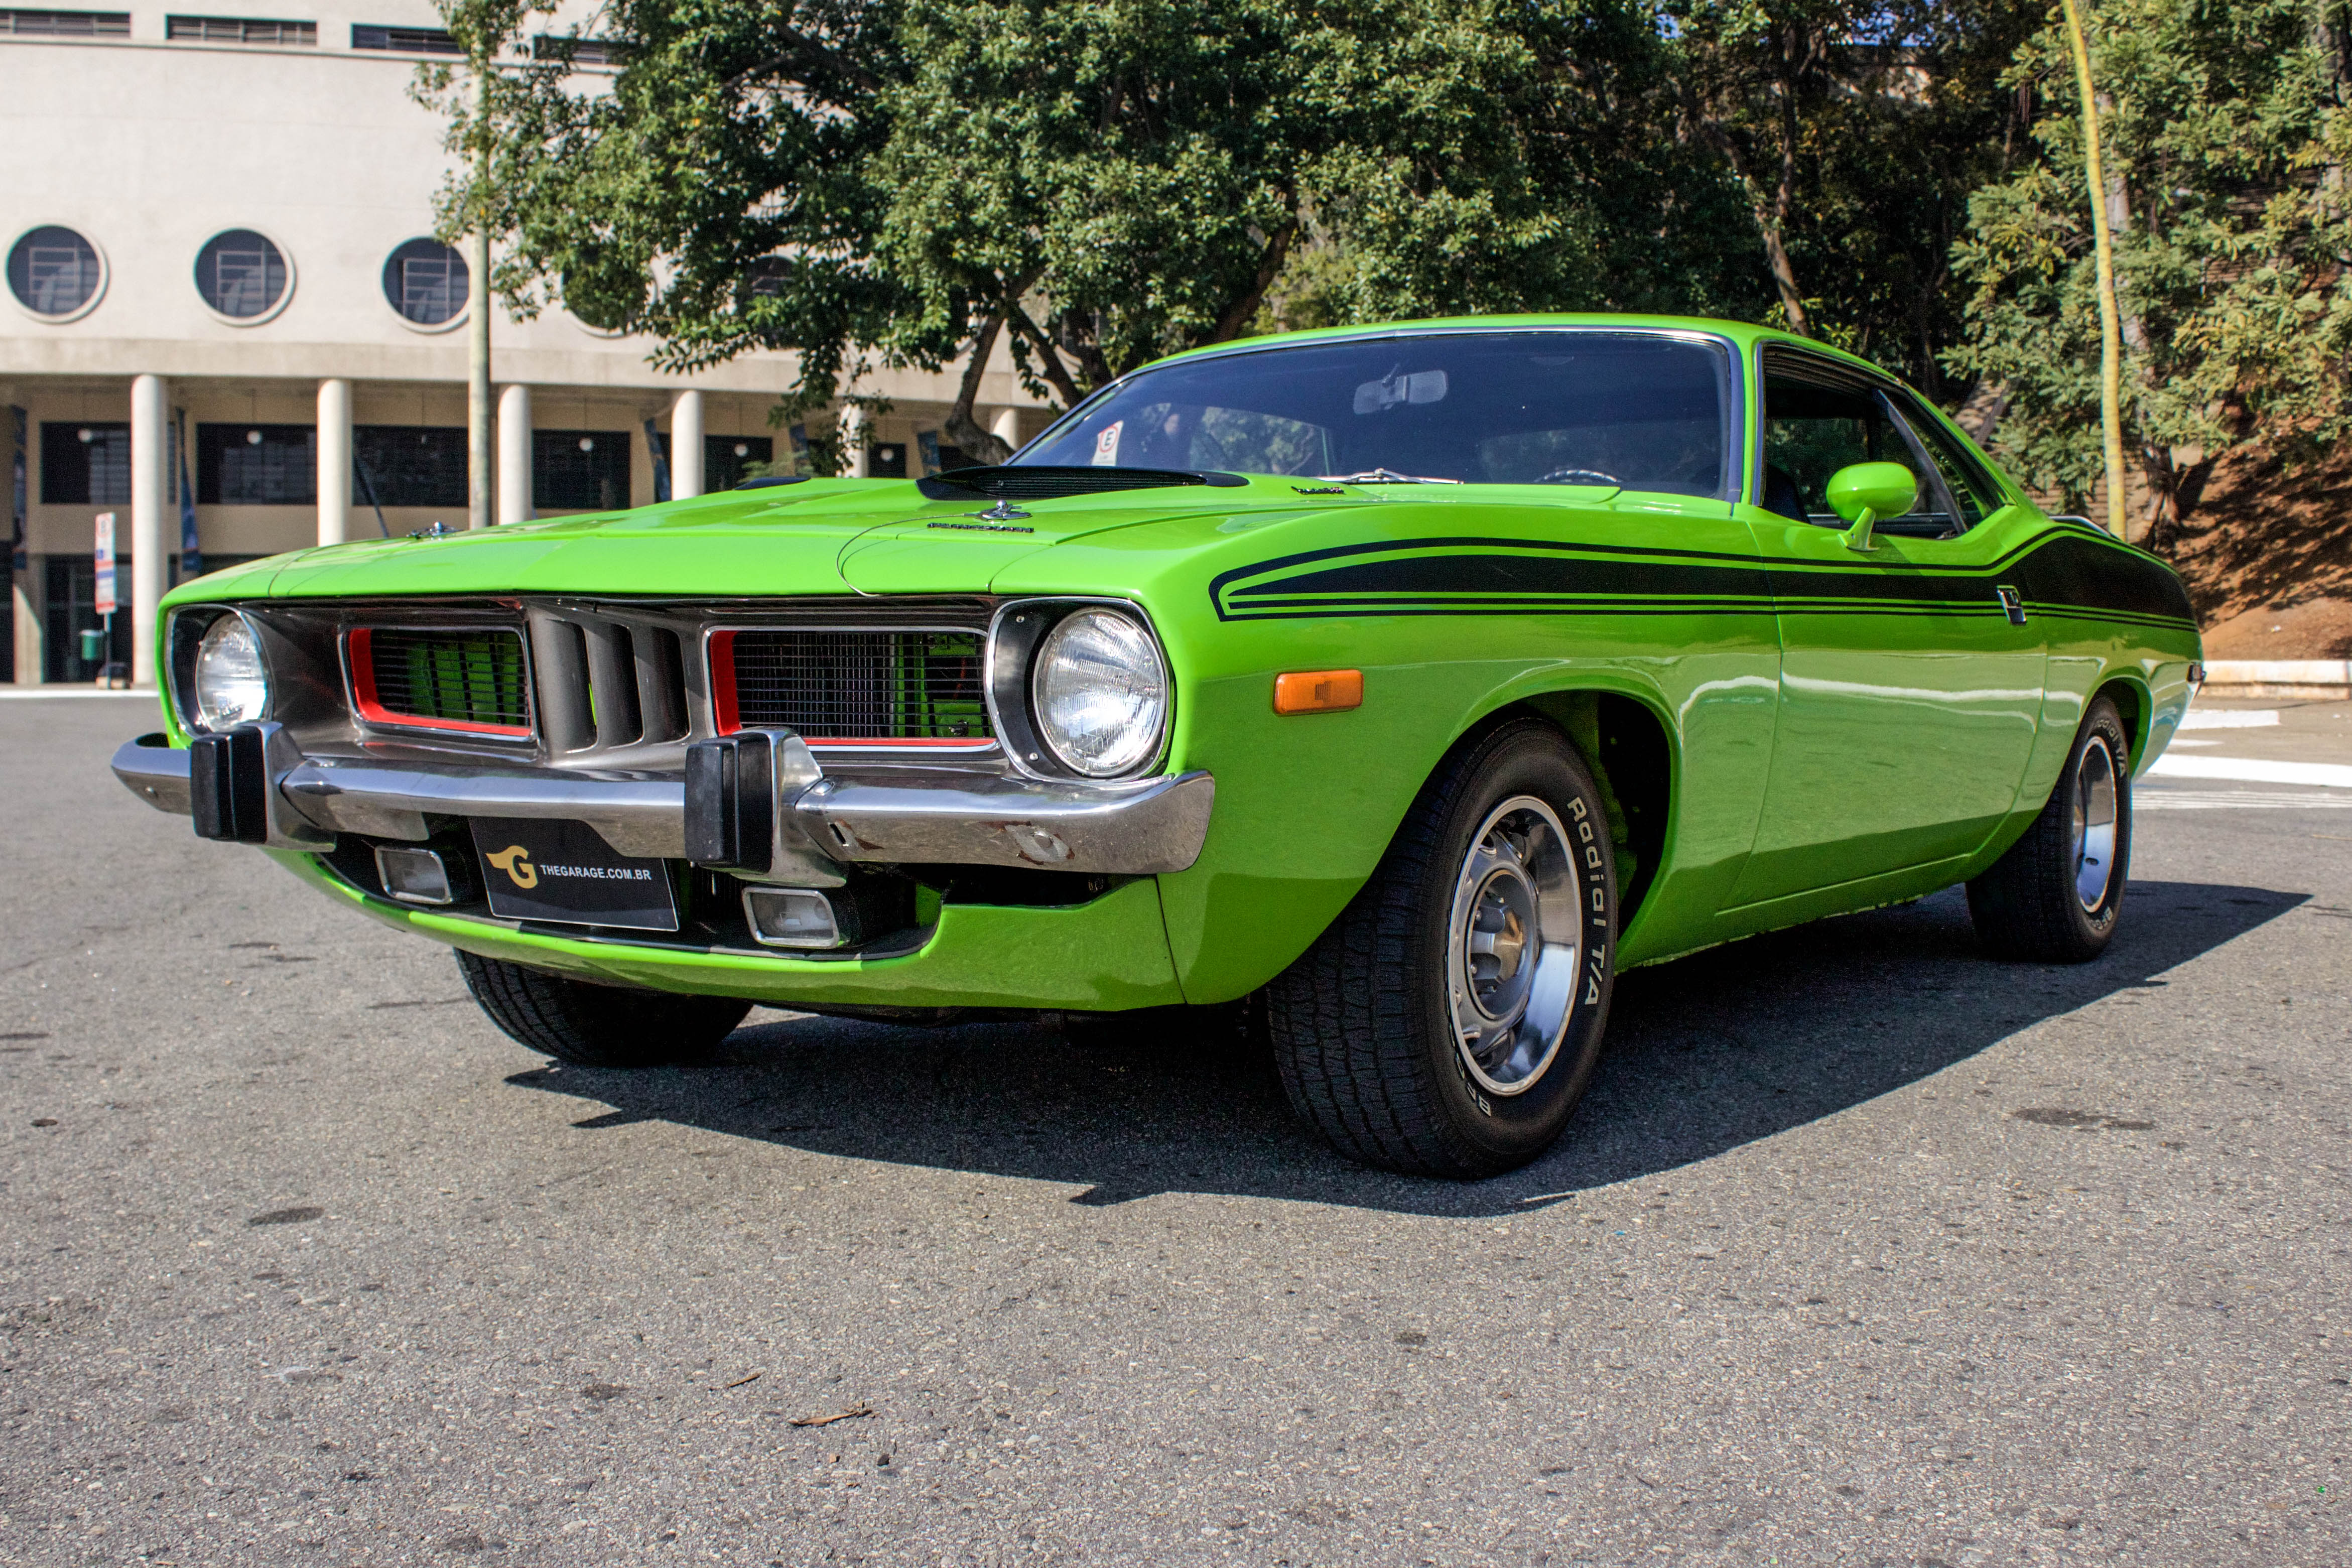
(566, 873)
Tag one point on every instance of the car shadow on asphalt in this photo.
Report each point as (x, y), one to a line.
(1705, 1054)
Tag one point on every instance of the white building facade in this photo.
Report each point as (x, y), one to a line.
(228, 323)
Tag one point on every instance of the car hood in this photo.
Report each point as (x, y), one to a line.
(826, 536)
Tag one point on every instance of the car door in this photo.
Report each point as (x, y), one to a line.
(1911, 680)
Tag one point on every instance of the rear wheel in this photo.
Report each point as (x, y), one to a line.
(2056, 896)
(597, 1026)
(1448, 1021)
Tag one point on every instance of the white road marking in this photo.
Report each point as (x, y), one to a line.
(2235, 800)
(2231, 719)
(2253, 770)
(23, 693)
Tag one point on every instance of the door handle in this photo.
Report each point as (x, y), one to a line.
(2013, 603)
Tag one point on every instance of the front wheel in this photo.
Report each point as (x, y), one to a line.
(597, 1026)
(1448, 1021)
(2054, 897)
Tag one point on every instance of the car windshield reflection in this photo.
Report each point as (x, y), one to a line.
(1645, 411)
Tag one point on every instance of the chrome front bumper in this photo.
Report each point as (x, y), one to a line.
(931, 817)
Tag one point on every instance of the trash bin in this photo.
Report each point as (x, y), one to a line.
(93, 645)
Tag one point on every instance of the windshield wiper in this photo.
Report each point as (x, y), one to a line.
(1383, 476)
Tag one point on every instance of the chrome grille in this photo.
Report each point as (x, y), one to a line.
(881, 686)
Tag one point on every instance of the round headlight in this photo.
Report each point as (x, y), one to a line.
(1100, 693)
(232, 687)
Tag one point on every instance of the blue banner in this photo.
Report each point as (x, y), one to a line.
(16, 491)
(192, 553)
(661, 463)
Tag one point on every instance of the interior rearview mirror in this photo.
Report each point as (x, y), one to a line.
(1421, 386)
(1864, 494)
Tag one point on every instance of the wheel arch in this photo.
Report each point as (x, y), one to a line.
(1624, 738)
(2135, 704)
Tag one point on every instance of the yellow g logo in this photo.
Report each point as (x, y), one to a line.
(515, 861)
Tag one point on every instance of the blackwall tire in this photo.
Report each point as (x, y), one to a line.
(1394, 1034)
(597, 1026)
(2055, 896)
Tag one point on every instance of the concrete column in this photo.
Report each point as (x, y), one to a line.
(1007, 428)
(856, 432)
(148, 553)
(686, 447)
(334, 461)
(30, 644)
(514, 454)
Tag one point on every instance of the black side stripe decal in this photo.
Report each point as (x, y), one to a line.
(2065, 573)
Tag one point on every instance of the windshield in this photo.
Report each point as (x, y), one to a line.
(1642, 410)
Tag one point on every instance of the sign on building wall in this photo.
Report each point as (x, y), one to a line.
(105, 559)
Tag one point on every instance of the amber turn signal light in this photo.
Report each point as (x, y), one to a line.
(1319, 691)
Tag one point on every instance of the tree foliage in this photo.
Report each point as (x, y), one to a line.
(1096, 183)
(1854, 132)
(1104, 182)
(2226, 137)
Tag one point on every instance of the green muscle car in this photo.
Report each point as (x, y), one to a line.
(1387, 689)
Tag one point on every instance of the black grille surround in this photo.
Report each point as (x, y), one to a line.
(921, 689)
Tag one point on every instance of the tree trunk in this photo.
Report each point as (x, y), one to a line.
(1776, 249)
(1049, 359)
(1270, 261)
(979, 444)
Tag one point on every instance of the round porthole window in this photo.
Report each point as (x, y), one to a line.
(244, 276)
(55, 274)
(426, 281)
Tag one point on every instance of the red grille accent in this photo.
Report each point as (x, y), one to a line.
(472, 682)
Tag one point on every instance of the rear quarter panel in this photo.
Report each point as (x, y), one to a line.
(2115, 620)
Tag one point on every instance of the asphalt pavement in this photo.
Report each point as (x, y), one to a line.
(1863, 1249)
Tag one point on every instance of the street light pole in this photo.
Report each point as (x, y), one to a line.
(2111, 336)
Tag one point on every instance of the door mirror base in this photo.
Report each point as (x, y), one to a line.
(1864, 493)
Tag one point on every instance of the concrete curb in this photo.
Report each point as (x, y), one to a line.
(2316, 678)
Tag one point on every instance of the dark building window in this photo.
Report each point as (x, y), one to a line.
(580, 471)
(597, 54)
(240, 274)
(257, 465)
(408, 464)
(72, 609)
(66, 24)
(86, 464)
(725, 458)
(405, 40)
(426, 280)
(241, 30)
(53, 271)
(887, 461)
(765, 278)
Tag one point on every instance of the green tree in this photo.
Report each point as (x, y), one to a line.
(1104, 182)
(2225, 140)
(1853, 131)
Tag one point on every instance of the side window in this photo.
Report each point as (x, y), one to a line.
(1968, 491)
(1810, 433)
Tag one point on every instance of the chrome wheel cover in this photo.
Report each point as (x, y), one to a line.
(2096, 789)
(1514, 937)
